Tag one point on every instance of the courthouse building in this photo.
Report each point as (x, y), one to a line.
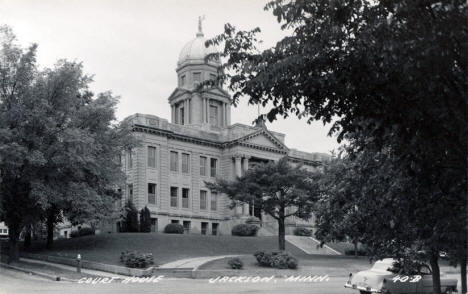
(167, 173)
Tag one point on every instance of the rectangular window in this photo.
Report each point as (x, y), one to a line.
(130, 158)
(151, 156)
(213, 166)
(204, 228)
(130, 192)
(182, 116)
(203, 165)
(214, 229)
(186, 225)
(214, 201)
(213, 115)
(174, 196)
(174, 161)
(151, 193)
(202, 199)
(185, 163)
(196, 77)
(174, 221)
(185, 197)
(182, 80)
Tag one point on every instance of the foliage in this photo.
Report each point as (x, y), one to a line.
(130, 217)
(174, 228)
(145, 220)
(244, 230)
(281, 259)
(82, 232)
(278, 188)
(235, 263)
(388, 74)
(59, 142)
(252, 220)
(135, 259)
(301, 231)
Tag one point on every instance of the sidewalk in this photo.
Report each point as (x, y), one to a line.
(192, 263)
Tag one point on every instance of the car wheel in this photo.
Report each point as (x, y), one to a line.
(448, 291)
(364, 292)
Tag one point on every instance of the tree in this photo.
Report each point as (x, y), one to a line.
(130, 217)
(59, 144)
(145, 220)
(277, 188)
(392, 70)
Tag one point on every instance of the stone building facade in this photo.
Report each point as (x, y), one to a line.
(167, 173)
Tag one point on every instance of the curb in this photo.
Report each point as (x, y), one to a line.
(36, 273)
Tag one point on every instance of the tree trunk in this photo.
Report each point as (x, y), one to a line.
(27, 237)
(463, 259)
(50, 230)
(281, 234)
(435, 272)
(281, 230)
(13, 248)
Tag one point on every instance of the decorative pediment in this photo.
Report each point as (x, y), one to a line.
(218, 91)
(177, 93)
(261, 139)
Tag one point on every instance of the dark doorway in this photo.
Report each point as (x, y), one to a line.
(154, 225)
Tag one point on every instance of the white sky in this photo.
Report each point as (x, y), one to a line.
(131, 48)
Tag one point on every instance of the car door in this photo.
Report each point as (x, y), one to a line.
(424, 286)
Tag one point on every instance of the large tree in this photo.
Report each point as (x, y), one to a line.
(59, 145)
(277, 188)
(395, 71)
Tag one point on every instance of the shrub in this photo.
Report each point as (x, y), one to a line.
(174, 229)
(301, 231)
(280, 260)
(86, 231)
(244, 230)
(130, 217)
(74, 234)
(145, 220)
(136, 259)
(235, 263)
(360, 252)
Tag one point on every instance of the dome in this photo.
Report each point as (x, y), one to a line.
(195, 51)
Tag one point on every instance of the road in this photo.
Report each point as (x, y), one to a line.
(13, 282)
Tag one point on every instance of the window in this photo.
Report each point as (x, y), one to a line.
(182, 80)
(182, 116)
(203, 165)
(185, 163)
(196, 77)
(214, 200)
(204, 228)
(174, 196)
(212, 76)
(174, 161)
(186, 225)
(151, 156)
(151, 193)
(174, 221)
(185, 197)
(202, 199)
(214, 229)
(130, 192)
(213, 166)
(213, 115)
(130, 158)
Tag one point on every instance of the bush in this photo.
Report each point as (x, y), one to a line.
(130, 217)
(360, 252)
(235, 263)
(280, 260)
(244, 230)
(300, 231)
(82, 232)
(174, 229)
(136, 259)
(145, 220)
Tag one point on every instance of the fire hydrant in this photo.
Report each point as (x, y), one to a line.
(78, 263)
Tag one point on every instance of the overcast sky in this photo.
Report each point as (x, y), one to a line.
(131, 47)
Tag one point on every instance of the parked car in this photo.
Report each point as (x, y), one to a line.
(385, 277)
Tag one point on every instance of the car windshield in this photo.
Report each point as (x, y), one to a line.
(383, 265)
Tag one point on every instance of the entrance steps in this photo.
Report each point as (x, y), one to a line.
(310, 245)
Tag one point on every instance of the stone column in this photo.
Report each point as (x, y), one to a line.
(228, 114)
(186, 112)
(207, 110)
(245, 168)
(173, 114)
(238, 169)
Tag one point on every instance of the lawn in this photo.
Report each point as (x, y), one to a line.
(106, 248)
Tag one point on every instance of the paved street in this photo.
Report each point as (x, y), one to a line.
(12, 282)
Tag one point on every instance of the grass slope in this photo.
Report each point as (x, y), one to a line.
(165, 247)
